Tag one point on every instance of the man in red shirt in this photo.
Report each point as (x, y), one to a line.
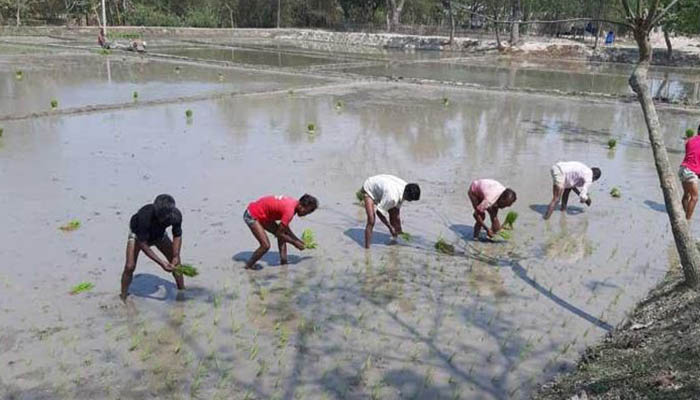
(688, 172)
(262, 215)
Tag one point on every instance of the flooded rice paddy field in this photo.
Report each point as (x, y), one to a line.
(398, 321)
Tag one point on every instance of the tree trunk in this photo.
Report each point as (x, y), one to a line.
(515, 26)
(19, 5)
(393, 13)
(598, 25)
(452, 22)
(667, 37)
(499, 46)
(687, 251)
(279, 13)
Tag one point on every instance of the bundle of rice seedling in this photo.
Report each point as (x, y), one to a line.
(135, 95)
(360, 196)
(54, 104)
(308, 238)
(511, 217)
(405, 236)
(615, 192)
(19, 74)
(311, 128)
(339, 104)
(188, 113)
(445, 101)
(81, 287)
(187, 270)
(1, 131)
(689, 133)
(443, 247)
(70, 226)
(612, 143)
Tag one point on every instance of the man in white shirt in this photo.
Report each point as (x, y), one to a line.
(568, 176)
(383, 196)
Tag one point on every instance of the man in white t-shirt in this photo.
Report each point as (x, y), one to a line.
(568, 176)
(383, 196)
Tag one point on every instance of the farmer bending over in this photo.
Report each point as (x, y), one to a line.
(383, 196)
(262, 215)
(688, 172)
(568, 176)
(148, 229)
(488, 195)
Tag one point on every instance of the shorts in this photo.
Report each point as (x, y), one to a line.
(557, 176)
(249, 220)
(687, 175)
(132, 236)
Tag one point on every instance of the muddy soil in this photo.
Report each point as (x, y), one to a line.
(398, 321)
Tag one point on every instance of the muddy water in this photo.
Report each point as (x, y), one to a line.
(668, 83)
(399, 321)
(253, 57)
(78, 81)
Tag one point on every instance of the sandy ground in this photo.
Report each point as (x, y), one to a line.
(399, 321)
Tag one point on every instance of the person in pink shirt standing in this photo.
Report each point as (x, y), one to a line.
(488, 195)
(568, 176)
(262, 215)
(688, 172)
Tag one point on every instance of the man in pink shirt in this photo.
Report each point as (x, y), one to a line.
(262, 215)
(488, 195)
(688, 172)
(568, 176)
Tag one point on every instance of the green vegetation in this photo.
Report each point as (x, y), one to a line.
(104, 52)
(406, 236)
(443, 247)
(1, 131)
(615, 192)
(308, 238)
(339, 104)
(187, 270)
(360, 196)
(311, 128)
(82, 287)
(612, 143)
(689, 133)
(135, 95)
(70, 226)
(511, 217)
(19, 74)
(445, 101)
(54, 104)
(188, 113)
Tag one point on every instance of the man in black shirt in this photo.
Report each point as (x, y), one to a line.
(148, 229)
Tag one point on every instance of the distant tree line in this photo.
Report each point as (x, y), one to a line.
(513, 16)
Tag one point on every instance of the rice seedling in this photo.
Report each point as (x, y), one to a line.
(177, 69)
(135, 95)
(187, 270)
(253, 352)
(54, 104)
(615, 192)
(19, 74)
(188, 113)
(405, 236)
(339, 104)
(445, 101)
(308, 238)
(1, 131)
(443, 247)
(360, 196)
(612, 143)
(70, 226)
(689, 133)
(221, 77)
(311, 128)
(105, 52)
(82, 287)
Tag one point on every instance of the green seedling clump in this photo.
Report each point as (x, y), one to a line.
(54, 104)
(405, 236)
(308, 238)
(443, 247)
(221, 77)
(360, 196)
(70, 226)
(135, 95)
(188, 113)
(505, 234)
(105, 52)
(1, 131)
(339, 104)
(612, 143)
(615, 192)
(311, 128)
(445, 101)
(511, 217)
(81, 287)
(689, 133)
(19, 75)
(187, 270)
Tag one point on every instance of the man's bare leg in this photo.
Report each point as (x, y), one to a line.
(556, 195)
(691, 188)
(132, 255)
(369, 208)
(477, 225)
(165, 246)
(259, 232)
